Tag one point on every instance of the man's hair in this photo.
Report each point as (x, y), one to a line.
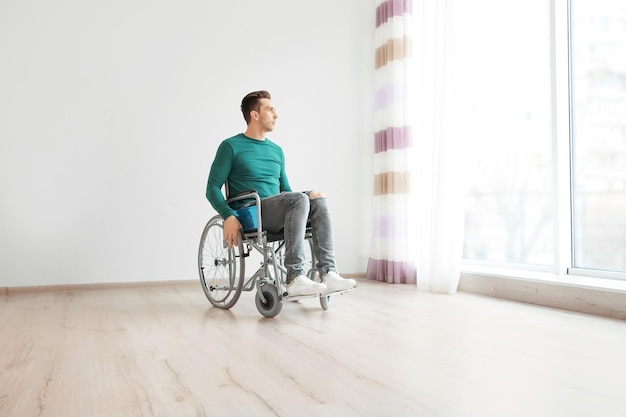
(252, 101)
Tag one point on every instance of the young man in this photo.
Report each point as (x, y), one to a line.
(250, 161)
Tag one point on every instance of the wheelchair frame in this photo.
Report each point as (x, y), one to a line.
(222, 269)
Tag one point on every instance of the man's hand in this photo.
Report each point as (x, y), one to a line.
(231, 230)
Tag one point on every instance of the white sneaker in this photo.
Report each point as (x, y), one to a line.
(302, 285)
(335, 283)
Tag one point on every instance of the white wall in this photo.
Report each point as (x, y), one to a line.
(111, 111)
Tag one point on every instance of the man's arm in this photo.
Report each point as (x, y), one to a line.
(284, 182)
(220, 169)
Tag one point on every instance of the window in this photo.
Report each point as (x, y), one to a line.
(507, 73)
(598, 108)
(505, 108)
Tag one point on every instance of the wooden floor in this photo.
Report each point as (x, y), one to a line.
(382, 350)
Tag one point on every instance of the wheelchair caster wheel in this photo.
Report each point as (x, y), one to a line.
(325, 301)
(272, 305)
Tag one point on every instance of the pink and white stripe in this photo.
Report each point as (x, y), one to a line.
(392, 256)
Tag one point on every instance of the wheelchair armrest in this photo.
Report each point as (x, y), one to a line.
(243, 196)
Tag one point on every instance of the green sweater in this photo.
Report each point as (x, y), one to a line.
(247, 164)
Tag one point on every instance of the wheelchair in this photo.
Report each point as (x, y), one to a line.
(222, 269)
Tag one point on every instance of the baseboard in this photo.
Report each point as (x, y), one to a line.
(95, 286)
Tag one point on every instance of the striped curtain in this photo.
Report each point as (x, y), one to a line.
(392, 254)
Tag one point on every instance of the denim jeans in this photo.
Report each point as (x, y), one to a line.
(289, 213)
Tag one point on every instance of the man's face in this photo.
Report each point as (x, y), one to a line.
(267, 115)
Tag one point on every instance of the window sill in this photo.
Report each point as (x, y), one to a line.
(580, 281)
(592, 295)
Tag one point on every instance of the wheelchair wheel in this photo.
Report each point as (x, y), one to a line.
(221, 268)
(325, 301)
(272, 305)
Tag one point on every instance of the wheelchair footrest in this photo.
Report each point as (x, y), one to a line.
(302, 297)
(299, 297)
(339, 292)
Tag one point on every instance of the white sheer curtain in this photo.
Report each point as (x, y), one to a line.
(433, 204)
(440, 154)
